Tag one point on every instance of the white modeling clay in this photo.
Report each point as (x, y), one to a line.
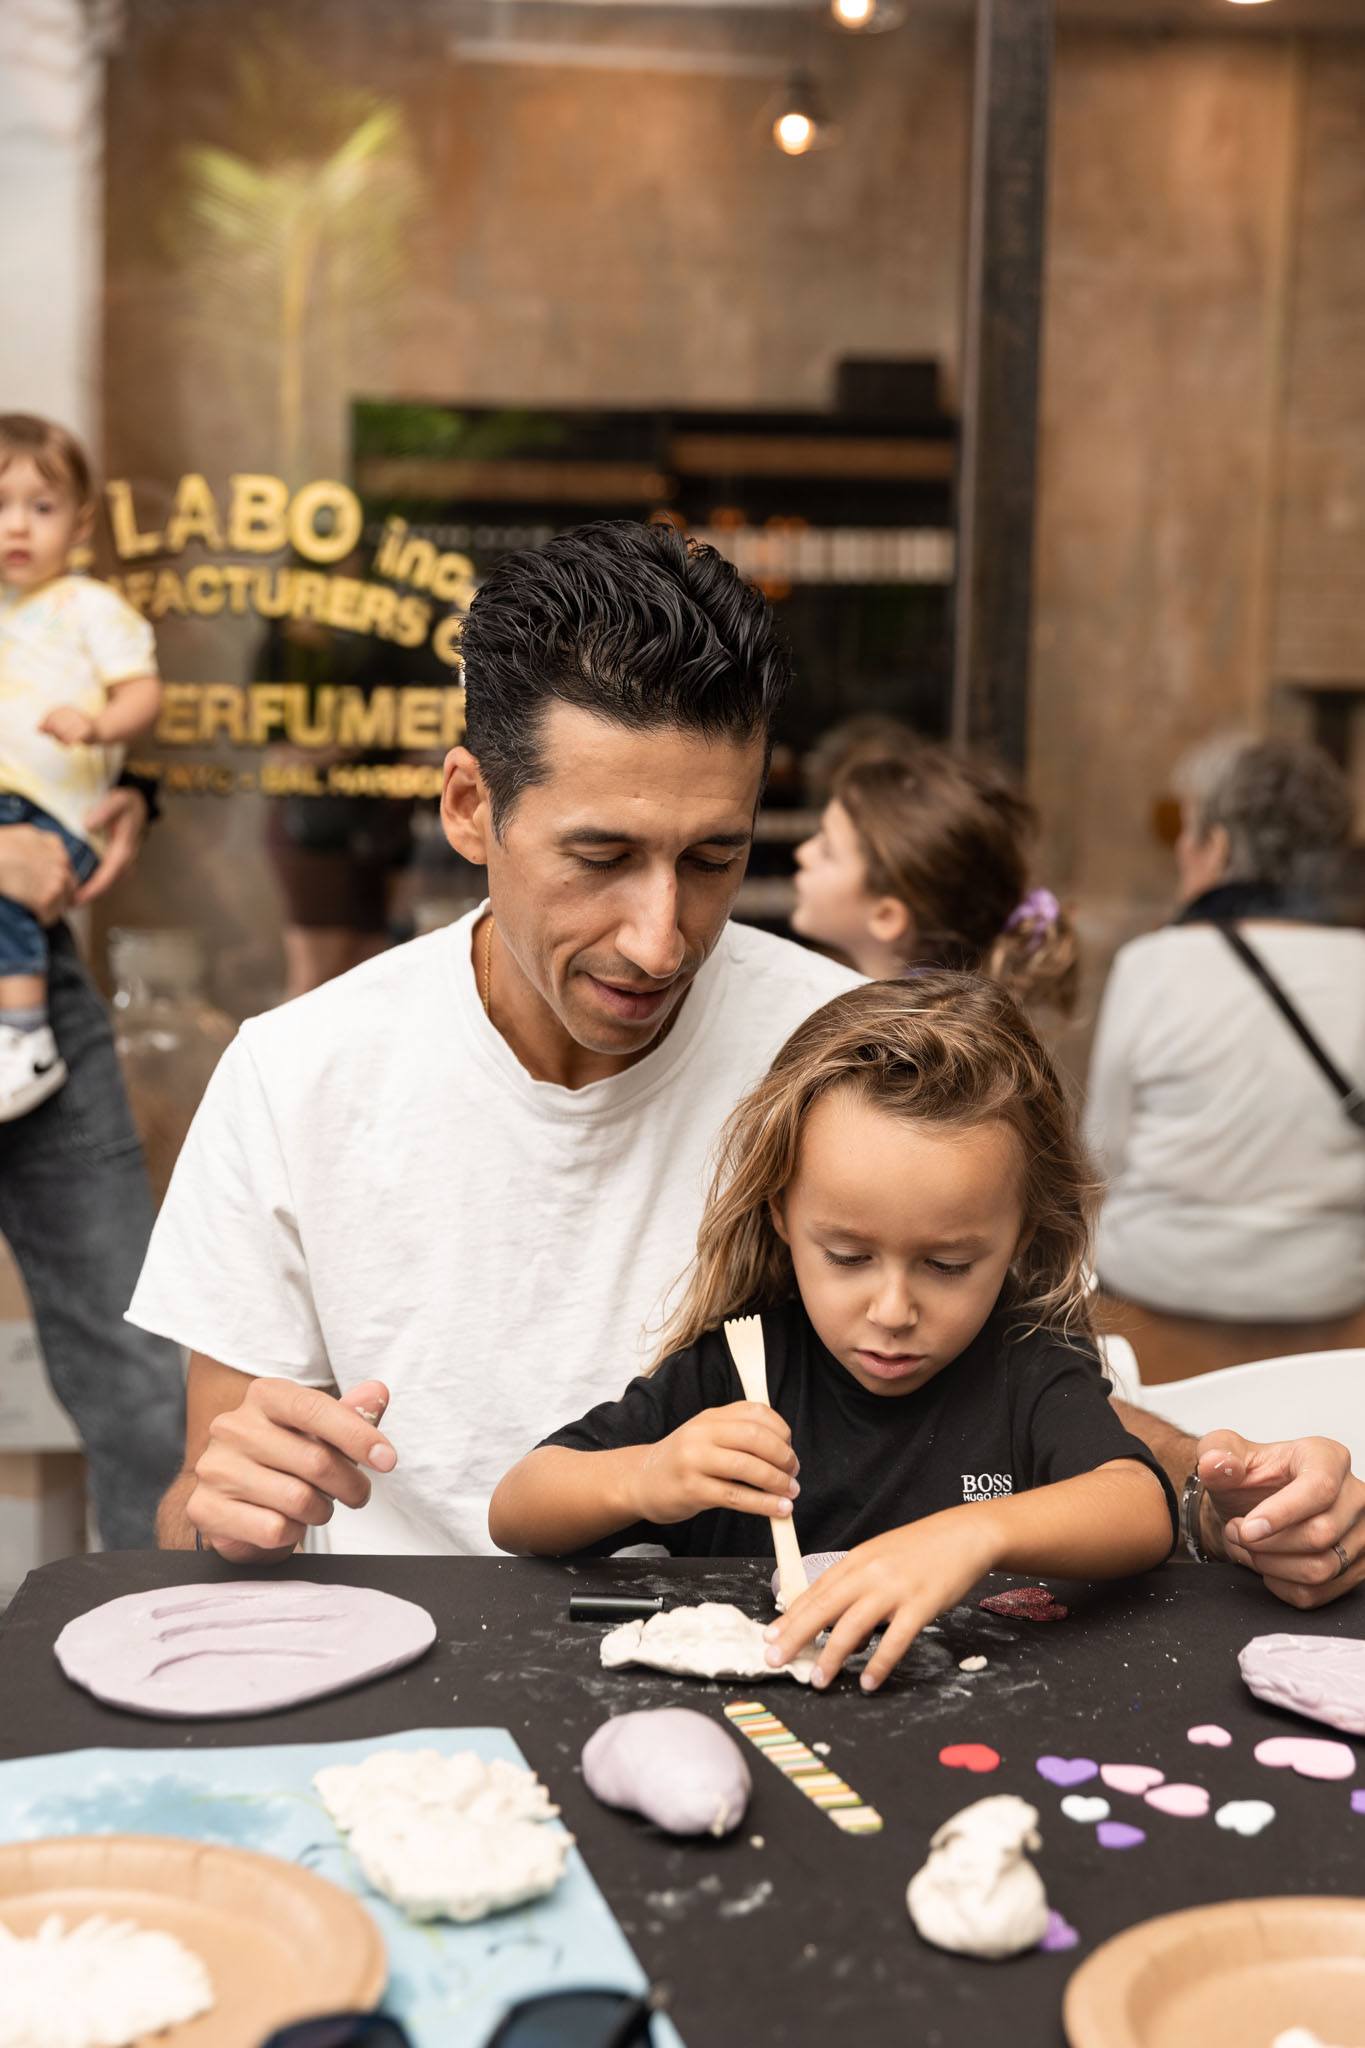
(978, 1894)
(100, 1984)
(450, 1838)
(431, 1782)
(712, 1640)
(436, 1866)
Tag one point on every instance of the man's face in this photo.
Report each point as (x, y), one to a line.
(614, 876)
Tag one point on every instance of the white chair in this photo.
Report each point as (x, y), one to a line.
(1120, 1364)
(1316, 1393)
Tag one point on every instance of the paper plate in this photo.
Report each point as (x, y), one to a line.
(279, 1943)
(1227, 1976)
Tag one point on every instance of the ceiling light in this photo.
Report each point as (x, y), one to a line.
(799, 125)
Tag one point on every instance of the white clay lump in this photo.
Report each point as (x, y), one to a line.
(712, 1640)
(100, 1984)
(671, 1765)
(978, 1894)
(447, 1838)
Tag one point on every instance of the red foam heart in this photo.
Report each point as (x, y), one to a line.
(1025, 1603)
(969, 1756)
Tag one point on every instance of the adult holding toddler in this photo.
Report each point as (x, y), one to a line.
(77, 679)
(477, 1164)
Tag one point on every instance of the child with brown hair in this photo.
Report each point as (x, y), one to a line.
(77, 678)
(921, 859)
(905, 1202)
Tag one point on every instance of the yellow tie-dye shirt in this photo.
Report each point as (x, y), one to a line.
(66, 643)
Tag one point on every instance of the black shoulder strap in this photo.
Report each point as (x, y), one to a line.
(1352, 1098)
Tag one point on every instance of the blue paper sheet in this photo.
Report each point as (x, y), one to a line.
(449, 1985)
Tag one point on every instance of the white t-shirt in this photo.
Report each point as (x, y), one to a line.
(65, 643)
(375, 1188)
(1237, 1184)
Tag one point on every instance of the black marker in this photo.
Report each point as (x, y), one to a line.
(603, 1607)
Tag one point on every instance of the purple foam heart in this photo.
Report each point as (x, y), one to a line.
(1060, 1933)
(1358, 1802)
(1116, 1834)
(1067, 1770)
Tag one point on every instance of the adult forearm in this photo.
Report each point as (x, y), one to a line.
(1174, 1448)
(557, 1500)
(174, 1529)
(1101, 1526)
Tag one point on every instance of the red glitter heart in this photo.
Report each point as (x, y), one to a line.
(1025, 1603)
(969, 1756)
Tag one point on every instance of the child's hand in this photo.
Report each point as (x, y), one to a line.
(904, 1579)
(737, 1457)
(72, 727)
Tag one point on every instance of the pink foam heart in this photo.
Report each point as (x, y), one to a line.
(1307, 1754)
(1184, 1802)
(1210, 1732)
(1135, 1778)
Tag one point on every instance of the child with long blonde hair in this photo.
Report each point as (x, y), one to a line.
(905, 1202)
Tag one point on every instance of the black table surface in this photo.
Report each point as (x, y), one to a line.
(791, 1936)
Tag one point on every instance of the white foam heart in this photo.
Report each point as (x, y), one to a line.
(1245, 1816)
(1076, 1806)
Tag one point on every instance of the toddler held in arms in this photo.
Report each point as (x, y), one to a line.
(77, 678)
(905, 1201)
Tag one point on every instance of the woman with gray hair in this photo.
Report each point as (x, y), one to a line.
(1225, 1100)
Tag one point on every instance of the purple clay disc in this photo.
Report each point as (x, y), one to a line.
(248, 1646)
(1117, 1834)
(1322, 1677)
(1358, 1802)
(818, 1561)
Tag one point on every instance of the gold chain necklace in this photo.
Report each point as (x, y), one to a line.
(486, 981)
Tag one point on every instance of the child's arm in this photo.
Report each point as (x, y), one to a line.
(132, 709)
(1104, 1524)
(557, 1500)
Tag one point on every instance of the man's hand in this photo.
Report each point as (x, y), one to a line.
(737, 1457)
(1289, 1511)
(35, 871)
(121, 815)
(72, 727)
(904, 1578)
(277, 1465)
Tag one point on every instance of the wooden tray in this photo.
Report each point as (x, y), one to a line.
(279, 1943)
(1227, 1976)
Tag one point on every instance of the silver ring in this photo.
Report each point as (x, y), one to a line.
(1342, 1559)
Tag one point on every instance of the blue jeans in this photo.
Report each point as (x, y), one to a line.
(76, 1208)
(23, 941)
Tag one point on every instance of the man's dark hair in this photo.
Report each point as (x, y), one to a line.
(634, 623)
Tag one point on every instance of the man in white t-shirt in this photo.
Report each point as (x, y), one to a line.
(453, 1188)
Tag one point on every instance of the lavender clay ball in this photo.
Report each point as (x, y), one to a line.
(818, 1561)
(671, 1765)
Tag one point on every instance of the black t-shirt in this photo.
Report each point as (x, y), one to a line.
(1015, 1410)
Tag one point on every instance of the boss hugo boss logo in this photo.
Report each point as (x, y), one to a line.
(986, 1485)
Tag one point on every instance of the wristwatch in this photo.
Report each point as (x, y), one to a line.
(1191, 1508)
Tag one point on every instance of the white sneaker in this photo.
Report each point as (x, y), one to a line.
(31, 1069)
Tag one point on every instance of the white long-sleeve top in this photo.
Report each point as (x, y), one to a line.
(1236, 1181)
